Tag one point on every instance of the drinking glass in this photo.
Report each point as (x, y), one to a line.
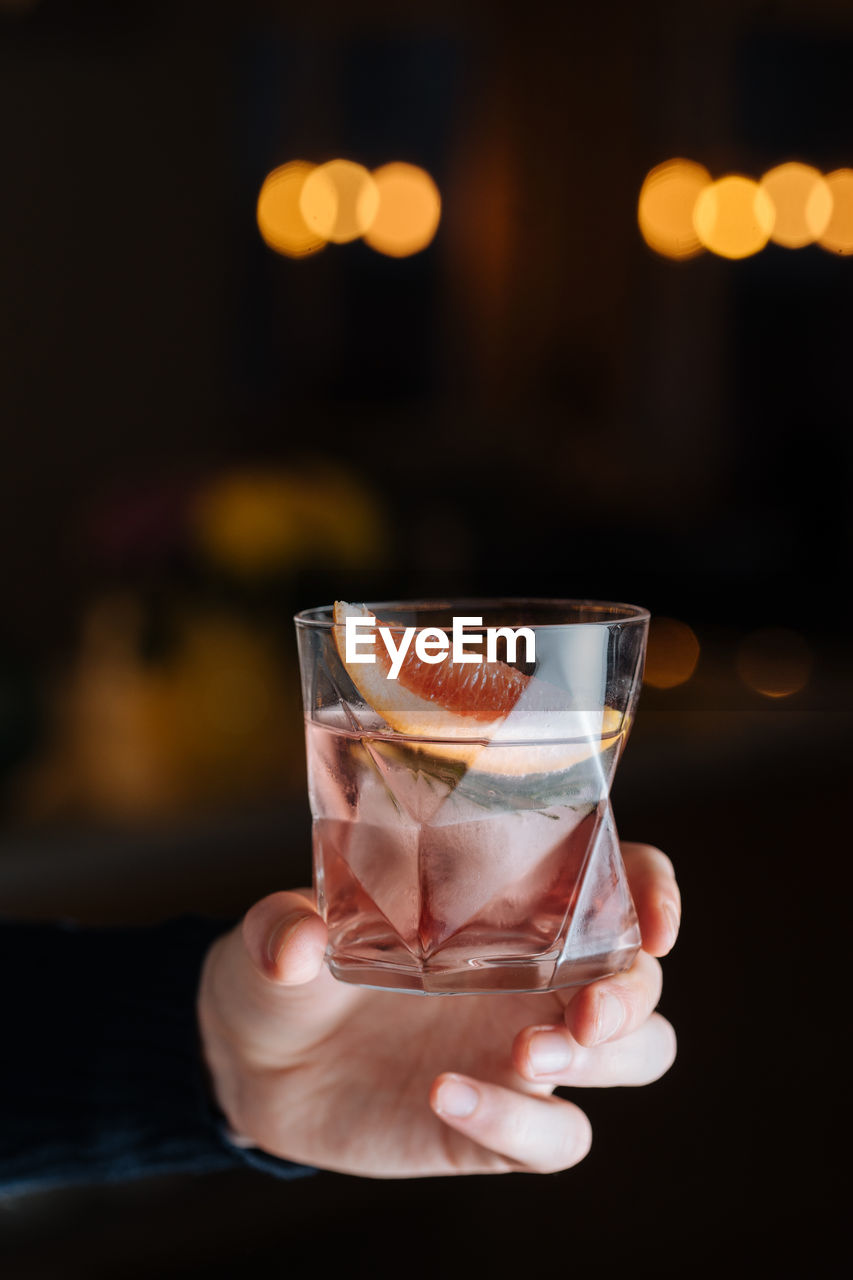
(463, 837)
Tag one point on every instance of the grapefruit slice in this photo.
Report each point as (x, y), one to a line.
(464, 707)
(440, 700)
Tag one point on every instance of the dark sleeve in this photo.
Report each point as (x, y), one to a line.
(101, 1072)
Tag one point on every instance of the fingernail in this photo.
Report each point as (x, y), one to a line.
(456, 1098)
(280, 936)
(609, 1017)
(673, 920)
(548, 1052)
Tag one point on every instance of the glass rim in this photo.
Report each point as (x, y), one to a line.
(617, 612)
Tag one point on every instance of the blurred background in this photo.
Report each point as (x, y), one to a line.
(529, 338)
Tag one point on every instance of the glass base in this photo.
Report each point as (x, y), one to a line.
(479, 976)
(596, 933)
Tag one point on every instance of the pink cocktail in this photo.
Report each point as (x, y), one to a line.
(467, 846)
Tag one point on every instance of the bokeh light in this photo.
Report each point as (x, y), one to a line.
(803, 203)
(247, 521)
(408, 213)
(672, 654)
(838, 233)
(280, 219)
(733, 217)
(665, 208)
(206, 724)
(775, 662)
(339, 201)
(256, 522)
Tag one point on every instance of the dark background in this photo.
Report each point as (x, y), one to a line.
(536, 403)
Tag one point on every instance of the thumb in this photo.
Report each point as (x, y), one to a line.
(285, 938)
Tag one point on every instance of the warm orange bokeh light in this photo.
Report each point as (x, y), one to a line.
(409, 210)
(733, 217)
(280, 220)
(665, 208)
(253, 522)
(803, 203)
(774, 662)
(838, 233)
(673, 652)
(339, 201)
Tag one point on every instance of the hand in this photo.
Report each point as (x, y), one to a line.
(391, 1085)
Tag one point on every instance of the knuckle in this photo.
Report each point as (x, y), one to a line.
(653, 986)
(662, 859)
(569, 1145)
(518, 1130)
(643, 859)
(671, 1050)
(649, 853)
(663, 1051)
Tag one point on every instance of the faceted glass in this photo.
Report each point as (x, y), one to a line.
(462, 829)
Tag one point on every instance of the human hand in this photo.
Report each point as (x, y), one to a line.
(384, 1084)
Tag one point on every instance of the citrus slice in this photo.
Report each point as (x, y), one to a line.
(484, 715)
(431, 700)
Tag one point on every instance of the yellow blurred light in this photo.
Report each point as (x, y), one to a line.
(247, 521)
(339, 201)
(280, 220)
(803, 203)
(254, 522)
(673, 652)
(774, 662)
(665, 208)
(734, 217)
(838, 233)
(408, 212)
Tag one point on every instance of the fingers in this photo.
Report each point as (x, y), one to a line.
(656, 896)
(527, 1132)
(615, 1006)
(285, 938)
(618, 1006)
(551, 1055)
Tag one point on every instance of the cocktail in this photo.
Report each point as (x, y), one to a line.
(460, 759)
